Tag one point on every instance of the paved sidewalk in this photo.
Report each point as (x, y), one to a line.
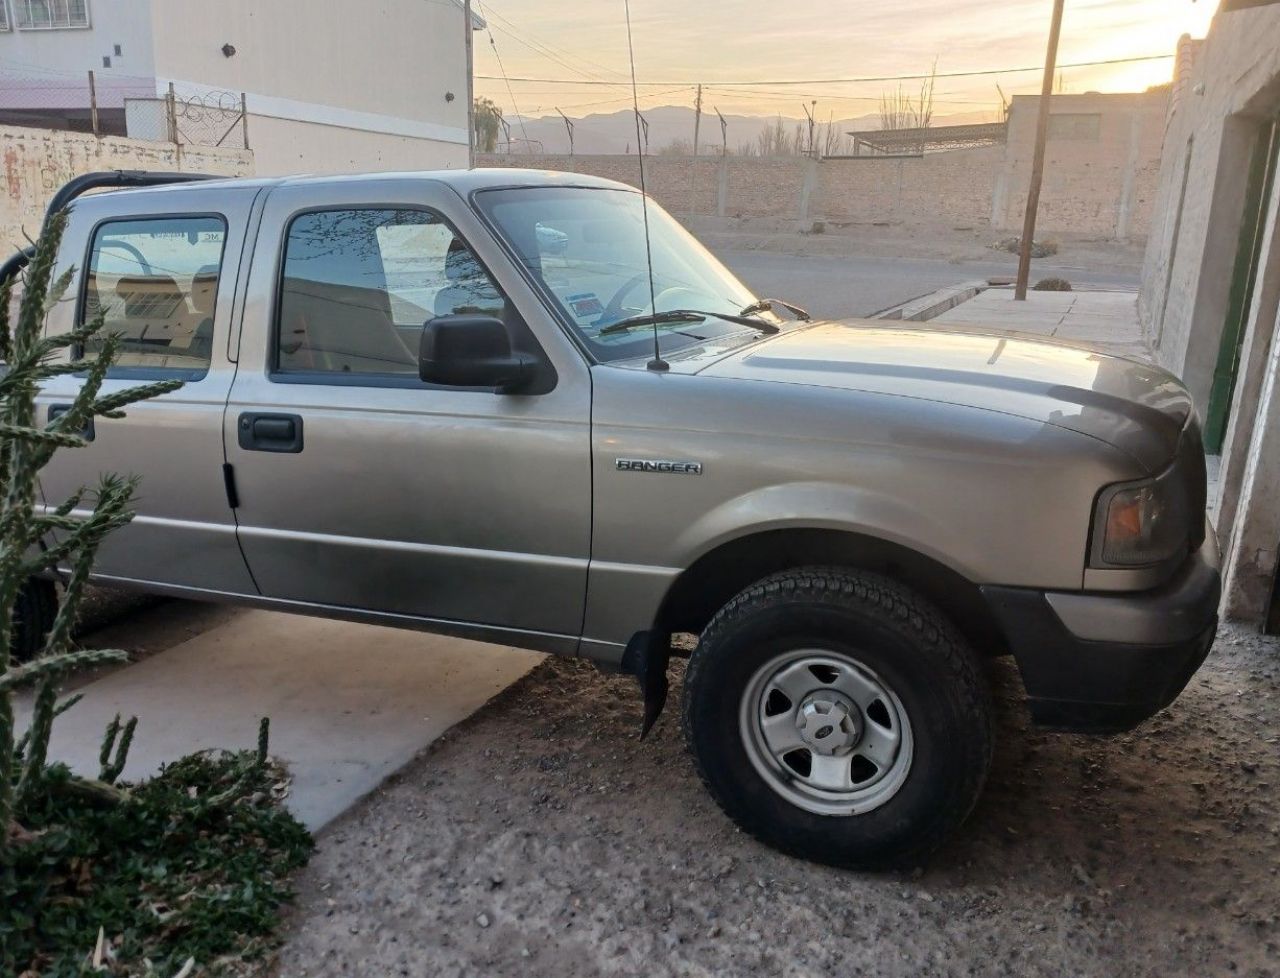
(1107, 321)
(349, 704)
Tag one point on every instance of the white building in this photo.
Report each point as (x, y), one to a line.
(329, 87)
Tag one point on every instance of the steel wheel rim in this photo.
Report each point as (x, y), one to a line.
(846, 721)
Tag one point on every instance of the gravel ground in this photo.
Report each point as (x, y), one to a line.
(540, 838)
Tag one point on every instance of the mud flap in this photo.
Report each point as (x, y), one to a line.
(646, 657)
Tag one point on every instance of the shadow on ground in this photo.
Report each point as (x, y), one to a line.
(540, 838)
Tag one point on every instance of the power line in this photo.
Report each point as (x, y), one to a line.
(843, 81)
(555, 52)
(494, 44)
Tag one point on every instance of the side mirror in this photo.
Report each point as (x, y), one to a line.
(471, 351)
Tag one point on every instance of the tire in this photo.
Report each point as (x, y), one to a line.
(880, 663)
(33, 615)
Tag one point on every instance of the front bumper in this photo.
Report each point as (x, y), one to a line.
(1103, 663)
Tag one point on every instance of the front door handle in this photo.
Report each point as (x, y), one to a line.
(270, 432)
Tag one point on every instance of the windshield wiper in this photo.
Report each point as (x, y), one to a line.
(684, 316)
(764, 305)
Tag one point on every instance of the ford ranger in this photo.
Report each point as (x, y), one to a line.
(529, 408)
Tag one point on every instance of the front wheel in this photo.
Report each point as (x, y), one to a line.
(837, 716)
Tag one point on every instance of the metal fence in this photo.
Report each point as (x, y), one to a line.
(212, 118)
(106, 103)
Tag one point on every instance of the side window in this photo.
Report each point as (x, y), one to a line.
(358, 285)
(155, 283)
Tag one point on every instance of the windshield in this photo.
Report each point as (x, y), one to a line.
(586, 248)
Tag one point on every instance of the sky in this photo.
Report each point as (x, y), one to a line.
(571, 47)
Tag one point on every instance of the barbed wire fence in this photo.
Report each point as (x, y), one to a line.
(211, 118)
(106, 103)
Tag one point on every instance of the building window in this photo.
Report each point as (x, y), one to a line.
(358, 285)
(4, 15)
(1080, 126)
(154, 281)
(40, 15)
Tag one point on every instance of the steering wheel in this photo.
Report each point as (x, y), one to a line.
(613, 309)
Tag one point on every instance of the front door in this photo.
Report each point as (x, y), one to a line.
(361, 487)
(165, 283)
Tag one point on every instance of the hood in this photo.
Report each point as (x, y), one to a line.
(1138, 408)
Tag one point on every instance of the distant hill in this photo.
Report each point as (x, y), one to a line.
(614, 132)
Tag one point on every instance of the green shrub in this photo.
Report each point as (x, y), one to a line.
(193, 865)
(1052, 285)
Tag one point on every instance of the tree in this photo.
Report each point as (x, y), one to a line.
(488, 119)
(775, 140)
(900, 110)
(26, 447)
(679, 146)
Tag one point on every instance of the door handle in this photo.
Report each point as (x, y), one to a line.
(58, 410)
(270, 432)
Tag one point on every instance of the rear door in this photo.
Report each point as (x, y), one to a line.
(360, 486)
(162, 267)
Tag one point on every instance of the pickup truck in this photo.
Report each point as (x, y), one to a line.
(529, 408)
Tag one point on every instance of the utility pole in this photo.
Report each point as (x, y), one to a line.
(471, 88)
(1037, 160)
(697, 119)
(506, 132)
(724, 135)
(93, 103)
(809, 116)
(568, 124)
(644, 125)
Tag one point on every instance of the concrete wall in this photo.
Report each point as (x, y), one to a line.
(953, 187)
(1102, 163)
(49, 68)
(329, 89)
(1103, 186)
(1225, 88)
(38, 161)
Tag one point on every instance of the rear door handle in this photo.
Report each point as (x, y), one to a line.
(58, 410)
(270, 432)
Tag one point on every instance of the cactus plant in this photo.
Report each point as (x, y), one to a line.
(81, 522)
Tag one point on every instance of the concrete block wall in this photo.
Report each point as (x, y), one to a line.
(953, 187)
(1101, 183)
(1103, 187)
(1227, 85)
(36, 162)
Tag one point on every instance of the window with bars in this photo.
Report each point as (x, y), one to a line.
(34, 15)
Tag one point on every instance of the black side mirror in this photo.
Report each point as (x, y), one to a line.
(472, 351)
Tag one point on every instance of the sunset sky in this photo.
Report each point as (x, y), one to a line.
(724, 43)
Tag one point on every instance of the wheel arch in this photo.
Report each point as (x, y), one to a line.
(716, 576)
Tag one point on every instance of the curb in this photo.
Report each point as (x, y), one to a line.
(931, 304)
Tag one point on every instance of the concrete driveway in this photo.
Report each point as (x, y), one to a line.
(348, 703)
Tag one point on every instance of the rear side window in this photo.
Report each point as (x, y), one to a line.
(358, 285)
(155, 283)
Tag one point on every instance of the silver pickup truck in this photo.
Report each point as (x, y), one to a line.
(489, 404)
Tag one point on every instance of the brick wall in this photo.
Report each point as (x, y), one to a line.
(1099, 180)
(953, 186)
(1102, 164)
(38, 161)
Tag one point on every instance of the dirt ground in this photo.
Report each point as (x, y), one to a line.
(541, 838)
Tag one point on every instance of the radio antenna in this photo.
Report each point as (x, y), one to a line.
(657, 363)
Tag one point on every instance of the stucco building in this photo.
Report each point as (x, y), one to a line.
(1211, 281)
(326, 90)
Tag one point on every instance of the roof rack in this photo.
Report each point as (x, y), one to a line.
(99, 180)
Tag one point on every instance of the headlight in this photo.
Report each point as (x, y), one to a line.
(1141, 523)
